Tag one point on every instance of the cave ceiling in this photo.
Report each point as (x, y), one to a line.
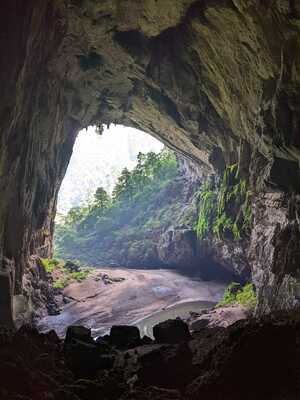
(203, 76)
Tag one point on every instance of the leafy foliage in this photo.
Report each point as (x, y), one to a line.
(244, 296)
(49, 264)
(138, 203)
(247, 296)
(61, 275)
(225, 210)
(207, 209)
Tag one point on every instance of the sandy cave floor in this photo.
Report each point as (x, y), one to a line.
(98, 304)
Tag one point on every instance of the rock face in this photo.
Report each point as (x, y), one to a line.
(275, 236)
(124, 336)
(218, 81)
(37, 298)
(155, 230)
(37, 366)
(219, 317)
(178, 246)
(171, 331)
(135, 237)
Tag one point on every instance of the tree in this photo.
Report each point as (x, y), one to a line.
(123, 185)
(132, 196)
(101, 198)
(75, 215)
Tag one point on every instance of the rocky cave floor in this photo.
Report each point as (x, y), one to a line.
(252, 359)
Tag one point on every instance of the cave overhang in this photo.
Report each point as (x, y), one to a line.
(214, 80)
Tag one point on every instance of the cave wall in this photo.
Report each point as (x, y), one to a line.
(216, 80)
(36, 138)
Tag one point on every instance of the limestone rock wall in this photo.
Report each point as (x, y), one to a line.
(274, 251)
(217, 80)
(36, 136)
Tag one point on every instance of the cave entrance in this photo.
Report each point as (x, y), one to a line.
(124, 245)
(99, 156)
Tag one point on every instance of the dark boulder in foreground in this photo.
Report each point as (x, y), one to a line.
(124, 336)
(77, 332)
(166, 366)
(171, 331)
(252, 359)
(146, 340)
(84, 355)
(85, 359)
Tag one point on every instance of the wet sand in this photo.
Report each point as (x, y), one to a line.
(134, 300)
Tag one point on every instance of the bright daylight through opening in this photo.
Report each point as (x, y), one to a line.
(125, 246)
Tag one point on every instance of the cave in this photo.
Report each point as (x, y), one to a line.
(98, 159)
(215, 80)
(125, 251)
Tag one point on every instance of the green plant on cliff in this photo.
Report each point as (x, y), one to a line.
(50, 264)
(61, 275)
(229, 294)
(225, 210)
(235, 294)
(61, 283)
(247, 297)
(206, 214)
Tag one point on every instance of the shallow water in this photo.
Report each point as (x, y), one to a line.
(144, 298)
(181, 310)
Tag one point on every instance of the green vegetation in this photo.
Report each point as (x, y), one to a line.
(50, 264)
(207, 210)
(63, 276)
(224, 210)
(143, 200)
(235, 294)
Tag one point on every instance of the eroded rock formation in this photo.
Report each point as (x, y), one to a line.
(217, 80)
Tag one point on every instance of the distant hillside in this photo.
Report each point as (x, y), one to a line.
(126, 229)
(98, 160)
(160, 215)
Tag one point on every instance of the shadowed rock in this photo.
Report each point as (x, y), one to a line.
(124, 336)
(171, 331)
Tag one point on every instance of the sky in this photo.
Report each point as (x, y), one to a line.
(98, 160)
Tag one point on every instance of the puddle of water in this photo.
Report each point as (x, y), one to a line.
(162, 290)
(181, 310)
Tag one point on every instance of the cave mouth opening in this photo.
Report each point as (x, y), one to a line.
(125, 249)
(99, 156)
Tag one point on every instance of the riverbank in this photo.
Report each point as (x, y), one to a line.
(129, 296)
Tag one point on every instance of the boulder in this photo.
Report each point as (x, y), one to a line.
(171, 331)
(146, 340)
(85, 359)
(52, 336)
(200, 323)
(125, 336)
(103, 345)
(167, 366)
(178, 246)
(220, 317)
(76, 332)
